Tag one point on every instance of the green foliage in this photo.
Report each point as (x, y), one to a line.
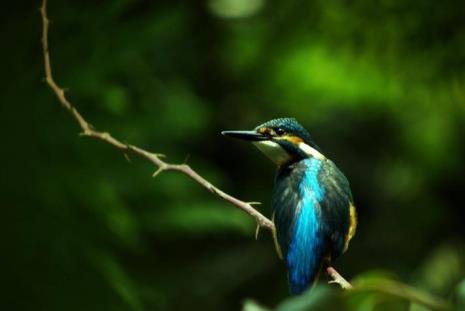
(380, 86)
(320, 297)
(372, 291)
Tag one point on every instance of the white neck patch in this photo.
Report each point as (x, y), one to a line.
(311, 151)
(273, 151)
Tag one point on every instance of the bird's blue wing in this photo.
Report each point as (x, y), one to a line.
(285, 205)
(337, 211)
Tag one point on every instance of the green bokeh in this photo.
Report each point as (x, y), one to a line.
(380, 85)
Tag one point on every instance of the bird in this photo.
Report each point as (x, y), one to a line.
(312, 205)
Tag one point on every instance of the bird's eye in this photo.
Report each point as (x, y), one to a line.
(279, 131)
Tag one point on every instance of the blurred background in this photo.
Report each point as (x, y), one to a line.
(379, 85)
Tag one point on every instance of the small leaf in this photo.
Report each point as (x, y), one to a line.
(251, 305)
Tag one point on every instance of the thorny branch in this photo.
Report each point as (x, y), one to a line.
(155, 158)
(89, 131)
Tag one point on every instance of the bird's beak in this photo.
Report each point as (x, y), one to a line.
(246, 135)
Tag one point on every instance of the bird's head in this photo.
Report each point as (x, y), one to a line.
(283, 140)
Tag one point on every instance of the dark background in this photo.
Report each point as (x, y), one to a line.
(379, 85)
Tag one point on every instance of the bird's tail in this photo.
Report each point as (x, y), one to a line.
(305, 274)
(305, 259)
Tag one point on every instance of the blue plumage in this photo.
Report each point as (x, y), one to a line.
(298, 202)
(304, 254)
(311, 213)
(312, 202)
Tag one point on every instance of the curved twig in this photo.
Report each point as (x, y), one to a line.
(89, 131)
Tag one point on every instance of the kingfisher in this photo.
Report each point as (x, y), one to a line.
(312, 204)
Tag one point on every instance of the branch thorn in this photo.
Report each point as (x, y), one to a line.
(158, 171)
(187, 158)
(257, 231)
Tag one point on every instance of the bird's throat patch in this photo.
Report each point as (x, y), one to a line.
(273, 151)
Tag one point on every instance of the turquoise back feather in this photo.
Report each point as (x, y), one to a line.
(310, 207)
